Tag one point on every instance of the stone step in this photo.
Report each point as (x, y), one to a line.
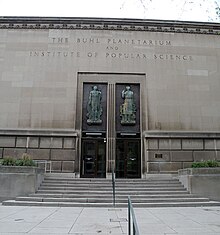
(106, 181)
(86, 204)
(72, 192)
(109, 185)
(110, 195)
(147, 192)
(118, 190)
(108, 200)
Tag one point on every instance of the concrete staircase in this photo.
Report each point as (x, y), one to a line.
(72, 192)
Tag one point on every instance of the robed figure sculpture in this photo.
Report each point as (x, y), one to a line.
(128, 108)
(94, 108)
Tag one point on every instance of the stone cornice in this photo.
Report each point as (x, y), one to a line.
(109, 24)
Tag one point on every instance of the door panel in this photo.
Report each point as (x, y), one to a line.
(93, 158)
(120, 160)
(128, 158)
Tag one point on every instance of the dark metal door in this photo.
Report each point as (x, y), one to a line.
(128, 158)
(93, 162)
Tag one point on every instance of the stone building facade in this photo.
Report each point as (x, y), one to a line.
(50, 66)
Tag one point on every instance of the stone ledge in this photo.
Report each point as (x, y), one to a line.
(20, 169)
(39, 132)
(182, 134)
(200, 171)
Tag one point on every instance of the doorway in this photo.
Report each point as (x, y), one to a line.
(128, 158)
(109, 108)
(93, 163)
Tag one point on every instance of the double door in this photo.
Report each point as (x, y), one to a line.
(127, 159)
(110, 110)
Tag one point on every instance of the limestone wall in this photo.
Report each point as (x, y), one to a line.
(39, 75)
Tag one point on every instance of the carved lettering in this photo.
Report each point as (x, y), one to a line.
(139, 42)
(87, 40)
(172, 57)
(92, 54)
(112, 53)
(60, 40)
(119, 41)
(126, 55)
(112, 48)
(64, 54)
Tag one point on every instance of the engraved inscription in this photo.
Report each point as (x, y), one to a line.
(115, 48)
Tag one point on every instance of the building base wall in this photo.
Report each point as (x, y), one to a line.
(167, 152)
(164, 152)
(57, 147)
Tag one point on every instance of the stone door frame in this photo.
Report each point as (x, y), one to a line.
(111, 79)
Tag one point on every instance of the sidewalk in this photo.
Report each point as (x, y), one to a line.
(90, 221)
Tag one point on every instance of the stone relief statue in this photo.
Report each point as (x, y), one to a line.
(94, 108)
(128, 108)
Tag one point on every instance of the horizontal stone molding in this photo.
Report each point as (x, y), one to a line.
(39, 132)
(108, 24)
(200, 171)
(21, 169)
(182, 134)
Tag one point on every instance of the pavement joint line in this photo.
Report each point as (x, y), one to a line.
(13, 212)
(118, 221)
(189, 218)
(125, 221)
(162, 221)
(20, 210)
(56, 209)
(75, 220)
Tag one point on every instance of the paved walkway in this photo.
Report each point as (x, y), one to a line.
(90, 221)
